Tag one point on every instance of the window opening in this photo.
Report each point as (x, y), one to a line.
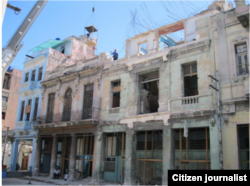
(33, 75)
(243, 146)
(62, 49)
(50, 109)
(143, 48)
(36, 108)
(26, 77)
(22, 111)
(190, 80)
(4, 99)
(6, 82)
(3, 115)
(149, 93)
(67, 105)
(241, 58)
(88, 101)
(40, 73)
(28, 110)
(149, 157)
(193, 152)
(116, 89)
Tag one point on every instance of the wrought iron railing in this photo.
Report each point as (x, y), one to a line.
(70, 116)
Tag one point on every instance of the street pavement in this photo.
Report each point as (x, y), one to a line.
(17, 181)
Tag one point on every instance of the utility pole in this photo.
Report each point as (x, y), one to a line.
(5, 143)
(218, 114)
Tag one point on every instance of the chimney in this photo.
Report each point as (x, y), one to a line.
(239, 3)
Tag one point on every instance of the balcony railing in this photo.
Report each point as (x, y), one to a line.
(114, 110)
(190, 100)
(60, 117)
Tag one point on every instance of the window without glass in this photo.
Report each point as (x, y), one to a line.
(116, 91)
(22, 111)
(33, 75)
(149, 93)
(26, 77)
(36, 108)
(88, 101)
(40, 73)
(243, 146)
(3, 115)
(6, 82)
(50, 109)
(143, 49)
(190, 80)
(241, 59)
(67, 105)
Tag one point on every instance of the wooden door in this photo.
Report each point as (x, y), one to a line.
(25, 163)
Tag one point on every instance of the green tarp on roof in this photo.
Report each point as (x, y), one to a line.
(51, 43)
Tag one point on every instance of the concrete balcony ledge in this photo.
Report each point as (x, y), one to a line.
(190, 115)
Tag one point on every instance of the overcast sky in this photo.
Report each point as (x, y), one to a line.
(61, 19)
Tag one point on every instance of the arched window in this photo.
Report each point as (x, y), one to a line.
(67, 105)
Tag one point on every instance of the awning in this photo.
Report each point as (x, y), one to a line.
(51, 43)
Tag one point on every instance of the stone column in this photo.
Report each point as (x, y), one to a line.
(168, 161)
(72, 163)
(53, 156)
(37, 157)
(98, 173)
(129, 176)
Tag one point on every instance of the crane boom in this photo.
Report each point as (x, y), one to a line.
(14, 46)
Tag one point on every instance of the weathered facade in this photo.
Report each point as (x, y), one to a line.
(70, 112)
(11, 84)
(231, 38)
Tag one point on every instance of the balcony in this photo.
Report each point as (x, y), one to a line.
(65, 119)
(191, 103)
(24, 124)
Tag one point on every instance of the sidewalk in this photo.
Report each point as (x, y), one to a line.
(86, 181)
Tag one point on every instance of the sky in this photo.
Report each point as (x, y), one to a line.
(113, 19)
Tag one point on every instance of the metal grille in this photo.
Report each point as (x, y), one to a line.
(150, 77)
(67, 105)
(109, 166)
(198, 144)
(177, 144)
(87, 102)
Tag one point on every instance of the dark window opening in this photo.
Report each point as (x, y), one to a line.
(149, 93)
(67, 105)
(22, 111)
(3, 115)
(40, 73)
(6, 82)
(192, 152)
(190, 80)
(116, 88)
(33, 75)
(36, 108)
(62, 49)
(243, 146)
(26, 77)
(143, 49)
(50, 108)
(28, 110)
(88, 101)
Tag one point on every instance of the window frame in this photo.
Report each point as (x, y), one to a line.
(22, 111)
(242, 56)
(40, 73)
(26, 78)
(190, 74)
(113, 91)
